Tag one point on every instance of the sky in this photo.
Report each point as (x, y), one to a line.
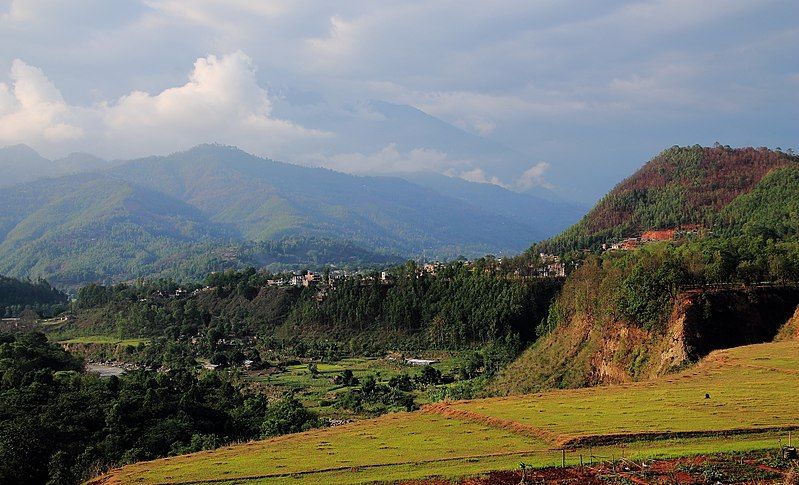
(559, 95)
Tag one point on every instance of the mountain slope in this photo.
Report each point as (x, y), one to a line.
(681, 185)
(92, 227)
(627, 315)
(263, 199)
(548, 216)
(20, 163)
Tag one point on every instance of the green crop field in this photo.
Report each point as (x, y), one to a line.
(752, 402)
(105, 339)
(318, 392)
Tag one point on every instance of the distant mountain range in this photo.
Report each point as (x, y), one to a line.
(81, 219)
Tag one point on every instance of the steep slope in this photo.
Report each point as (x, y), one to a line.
(263, 199)
(626, 315)
(770, 210)
(789, 331)
(681, 185)
(592, 342)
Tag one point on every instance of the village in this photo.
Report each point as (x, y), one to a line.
(661, 235)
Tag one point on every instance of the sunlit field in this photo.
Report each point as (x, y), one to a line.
(751, 403)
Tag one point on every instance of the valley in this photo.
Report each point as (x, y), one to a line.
(637, 341)
(751, 407)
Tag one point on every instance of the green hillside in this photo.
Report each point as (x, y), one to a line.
(91, 227)
(86, 228)
(680, 186)
(215, 207)
(263, 199)
(17, 295)
(630, 315)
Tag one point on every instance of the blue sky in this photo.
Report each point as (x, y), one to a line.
(582, 92)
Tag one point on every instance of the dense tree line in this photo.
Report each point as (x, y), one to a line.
(458, 307)
(640, 286)
(39, 296)
(59, 425)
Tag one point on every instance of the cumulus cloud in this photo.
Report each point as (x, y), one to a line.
(32, 108)
(222, 101)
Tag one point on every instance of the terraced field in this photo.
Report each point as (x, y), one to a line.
(752, 404)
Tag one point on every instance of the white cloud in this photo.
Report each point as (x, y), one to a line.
(222, 101)
(390, 160)
(478, 175)
(33, 109)
(534, 177)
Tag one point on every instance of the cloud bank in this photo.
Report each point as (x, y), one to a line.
(221, 101)
(593, 88)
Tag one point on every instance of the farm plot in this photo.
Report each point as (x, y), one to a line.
(752, 392)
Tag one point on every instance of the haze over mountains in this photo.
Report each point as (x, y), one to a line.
(80, 219)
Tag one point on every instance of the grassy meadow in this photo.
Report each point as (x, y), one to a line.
(318, 392)
(752, 391)
(106, 340)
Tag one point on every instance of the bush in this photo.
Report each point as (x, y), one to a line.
(287, 415)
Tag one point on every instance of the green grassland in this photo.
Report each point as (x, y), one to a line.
(748, 388)
(752, 401)
(106, 340)
(319, 392)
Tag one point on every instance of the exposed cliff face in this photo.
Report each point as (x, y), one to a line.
(586, 350)
(707, 320)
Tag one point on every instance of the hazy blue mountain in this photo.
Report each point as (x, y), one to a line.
(21, 163)
(262, 199)
(370, 126)
(214, 207)
(80, 162)
(547, 216)
(92, 227)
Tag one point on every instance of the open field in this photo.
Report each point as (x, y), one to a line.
(319, 392)
(752, 402)
(105, 339)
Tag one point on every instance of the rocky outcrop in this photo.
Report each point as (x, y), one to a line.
(586, 351)
(710, 319)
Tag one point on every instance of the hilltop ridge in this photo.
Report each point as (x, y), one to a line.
(680, 186)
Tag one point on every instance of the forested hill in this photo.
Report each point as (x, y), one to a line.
(680, 186)
(80, 219)
(17, 295)
(262, 199)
